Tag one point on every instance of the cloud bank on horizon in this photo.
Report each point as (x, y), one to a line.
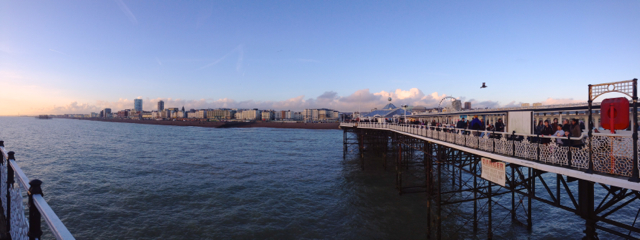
(361, 100)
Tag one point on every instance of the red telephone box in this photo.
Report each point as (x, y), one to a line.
(614, 113)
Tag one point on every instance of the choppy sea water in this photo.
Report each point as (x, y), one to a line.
(134, 181)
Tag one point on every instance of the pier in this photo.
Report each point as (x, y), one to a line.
(595, 176)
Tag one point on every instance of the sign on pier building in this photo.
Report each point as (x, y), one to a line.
(493, 171)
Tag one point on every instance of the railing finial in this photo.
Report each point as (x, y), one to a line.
(12, 155)
(35, 187)
(35, 218)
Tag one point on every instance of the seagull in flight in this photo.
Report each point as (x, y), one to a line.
(483, 85)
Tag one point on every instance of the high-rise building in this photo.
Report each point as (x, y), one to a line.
(467, 105)
(160, 105)
(137, 105)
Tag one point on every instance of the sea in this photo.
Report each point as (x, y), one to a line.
(110, 180)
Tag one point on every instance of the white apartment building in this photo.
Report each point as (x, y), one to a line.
(268, 115)
(321, 115)
(201, 113)
(252, 114)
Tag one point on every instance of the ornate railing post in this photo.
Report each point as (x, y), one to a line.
(35, 230)
(9, 186)
(590, 132)
(538, 148)
(513, 143)
(634, 173)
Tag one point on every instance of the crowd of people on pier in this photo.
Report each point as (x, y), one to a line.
(573, 128)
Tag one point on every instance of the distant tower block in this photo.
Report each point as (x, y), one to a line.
(524, 105)
(467, 105)
(535, 105)
(137, 105)
(160, 105)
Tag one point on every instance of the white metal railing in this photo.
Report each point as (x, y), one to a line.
(18, 225)
(533, 108)
(611, 153)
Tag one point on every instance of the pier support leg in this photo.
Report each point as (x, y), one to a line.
(399, 169)
(586, 208)
(489, 227)
(532, 193)
(439, 195)
(344, 144)
(362, 151)
(475, 200)
(513, 192)
(428, 166)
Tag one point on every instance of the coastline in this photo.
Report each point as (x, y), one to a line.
(225, 124)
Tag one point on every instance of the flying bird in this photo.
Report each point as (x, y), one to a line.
(483, 86)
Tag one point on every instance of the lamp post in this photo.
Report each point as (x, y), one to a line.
(405, 113)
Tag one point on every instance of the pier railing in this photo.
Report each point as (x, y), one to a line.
(19, 226)
(612, 154)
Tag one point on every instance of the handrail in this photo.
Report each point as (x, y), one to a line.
(612, 156)
(24, 180)
(582, 136)
(38, 206)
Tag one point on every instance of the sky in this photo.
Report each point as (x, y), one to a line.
(61, 57)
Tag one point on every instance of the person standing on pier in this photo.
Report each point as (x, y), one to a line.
(566, 127)
(475, 124)
(555, 124)
(461, 124)
(546, 130)
(539, 127)
(499, 125)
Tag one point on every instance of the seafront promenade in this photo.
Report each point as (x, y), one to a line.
(293, 125)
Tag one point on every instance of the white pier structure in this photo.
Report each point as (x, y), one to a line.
(612, 164)
(595, 174)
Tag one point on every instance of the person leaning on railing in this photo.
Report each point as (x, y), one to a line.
(559, 133)
(575, 132)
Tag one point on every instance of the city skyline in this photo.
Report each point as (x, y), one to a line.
(62, 57)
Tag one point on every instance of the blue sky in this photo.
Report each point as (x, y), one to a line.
(77, 56)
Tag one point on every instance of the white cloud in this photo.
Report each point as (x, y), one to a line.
(361, 99)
